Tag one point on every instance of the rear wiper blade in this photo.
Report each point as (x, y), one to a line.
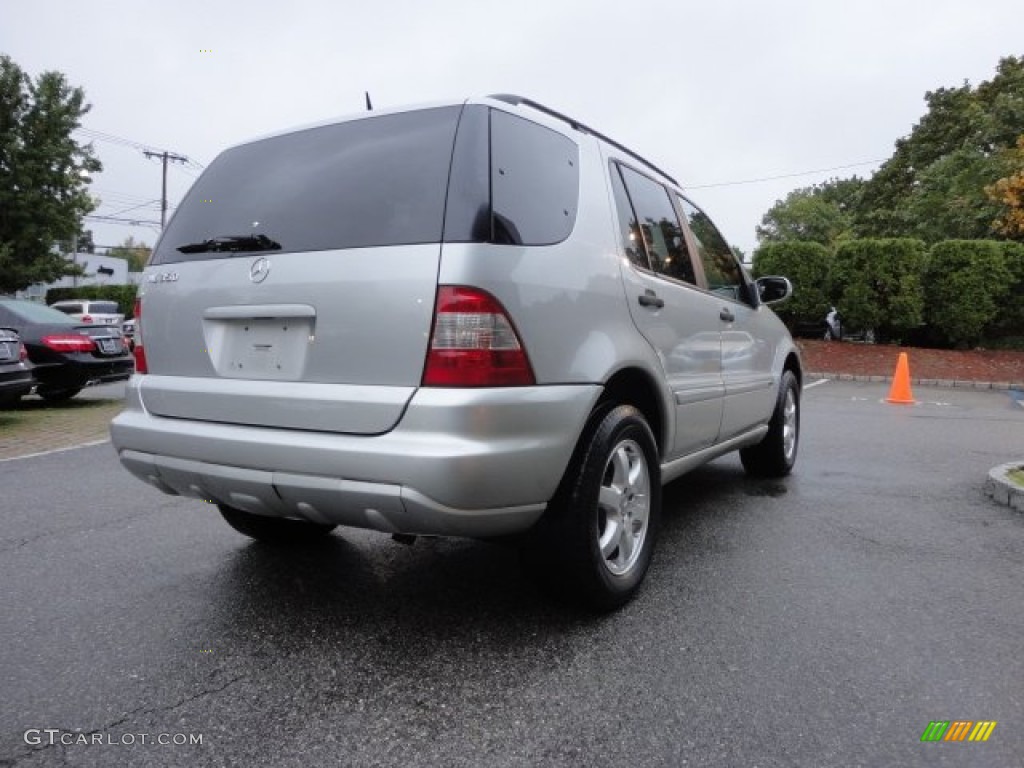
(232, 243)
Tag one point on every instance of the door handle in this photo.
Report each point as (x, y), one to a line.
(650, 299)
(726, 315)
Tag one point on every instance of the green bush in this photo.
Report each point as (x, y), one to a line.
(807, 265)
(124, 295)
(877, 284)
(1007, 326)
(965, 284)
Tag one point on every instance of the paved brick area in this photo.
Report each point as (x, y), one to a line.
(35, 426)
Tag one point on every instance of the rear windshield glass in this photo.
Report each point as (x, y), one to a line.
(369, 182)
(103, 307)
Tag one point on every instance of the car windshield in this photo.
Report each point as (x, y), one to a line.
(37, 313)
(103, 307)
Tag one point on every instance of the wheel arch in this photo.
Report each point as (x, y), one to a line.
(792, 364)
(633, 386)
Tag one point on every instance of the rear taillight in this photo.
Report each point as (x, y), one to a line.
(69, 342)
(138, 351)
(474, 343)
(22, 353)
(86, 318)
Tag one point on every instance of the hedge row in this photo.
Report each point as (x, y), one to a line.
(124, 295)
(954, 294)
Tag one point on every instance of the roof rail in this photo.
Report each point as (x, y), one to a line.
(513, 99)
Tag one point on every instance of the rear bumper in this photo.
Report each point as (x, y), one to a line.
(14, 385)
(75, 374)
(461, 462)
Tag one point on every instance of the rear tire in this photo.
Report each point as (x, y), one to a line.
(596, 541)
(775, 455)
(273, 530)
(57, 395)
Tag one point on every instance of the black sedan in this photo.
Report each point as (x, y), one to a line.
(15, 370)
(67, 355)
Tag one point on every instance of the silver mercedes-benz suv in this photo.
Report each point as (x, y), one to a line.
(476, 319)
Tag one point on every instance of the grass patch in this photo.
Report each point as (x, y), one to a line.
(34, 426)
(1016, 476)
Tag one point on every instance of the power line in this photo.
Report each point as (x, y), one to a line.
(146, 204)
(118, 220)
(783, 176)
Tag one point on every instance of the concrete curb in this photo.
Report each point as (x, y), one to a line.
(1002, 489)
(948, 383)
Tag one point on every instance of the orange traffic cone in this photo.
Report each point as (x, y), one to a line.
(900, 391)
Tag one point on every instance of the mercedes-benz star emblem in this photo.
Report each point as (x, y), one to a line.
(259, 270)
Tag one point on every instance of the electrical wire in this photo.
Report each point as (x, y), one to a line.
(783, 176)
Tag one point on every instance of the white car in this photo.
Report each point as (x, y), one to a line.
(91, 311)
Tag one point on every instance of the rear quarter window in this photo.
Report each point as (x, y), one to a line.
(534, 182)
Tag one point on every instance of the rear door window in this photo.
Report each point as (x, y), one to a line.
(69, 309)
(368, 182)
(658, 227)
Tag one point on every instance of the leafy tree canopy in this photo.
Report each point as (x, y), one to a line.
(933, 186)
(957, 175)
(136, 254)
(821, 214)
(43, 175)
(1008, 193)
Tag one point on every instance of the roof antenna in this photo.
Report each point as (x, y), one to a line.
(369, 106)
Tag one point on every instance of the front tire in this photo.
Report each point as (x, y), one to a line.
(775, 455)
(273, 530)
(598, 536)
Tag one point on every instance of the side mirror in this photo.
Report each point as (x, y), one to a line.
(772, 290)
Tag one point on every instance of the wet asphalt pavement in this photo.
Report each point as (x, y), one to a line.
(823, 620)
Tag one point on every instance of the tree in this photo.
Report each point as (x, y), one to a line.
(807, 265)
(821, 214)
(136, 254)
(878, 284)
(946, 202)
(964, 285)
(1008, 193)
(934, 184)
(43, 185)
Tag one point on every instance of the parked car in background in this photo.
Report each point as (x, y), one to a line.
(15, 370)
(66, 355)
(476, 319)
(91, 311)
(829, 327)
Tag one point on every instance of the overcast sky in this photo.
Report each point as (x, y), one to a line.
(716, 92)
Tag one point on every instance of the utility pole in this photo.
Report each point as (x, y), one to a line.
(165, 156)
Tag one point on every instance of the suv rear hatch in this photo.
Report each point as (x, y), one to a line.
(295, 285)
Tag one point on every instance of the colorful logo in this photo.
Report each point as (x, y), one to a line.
(958, 730)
